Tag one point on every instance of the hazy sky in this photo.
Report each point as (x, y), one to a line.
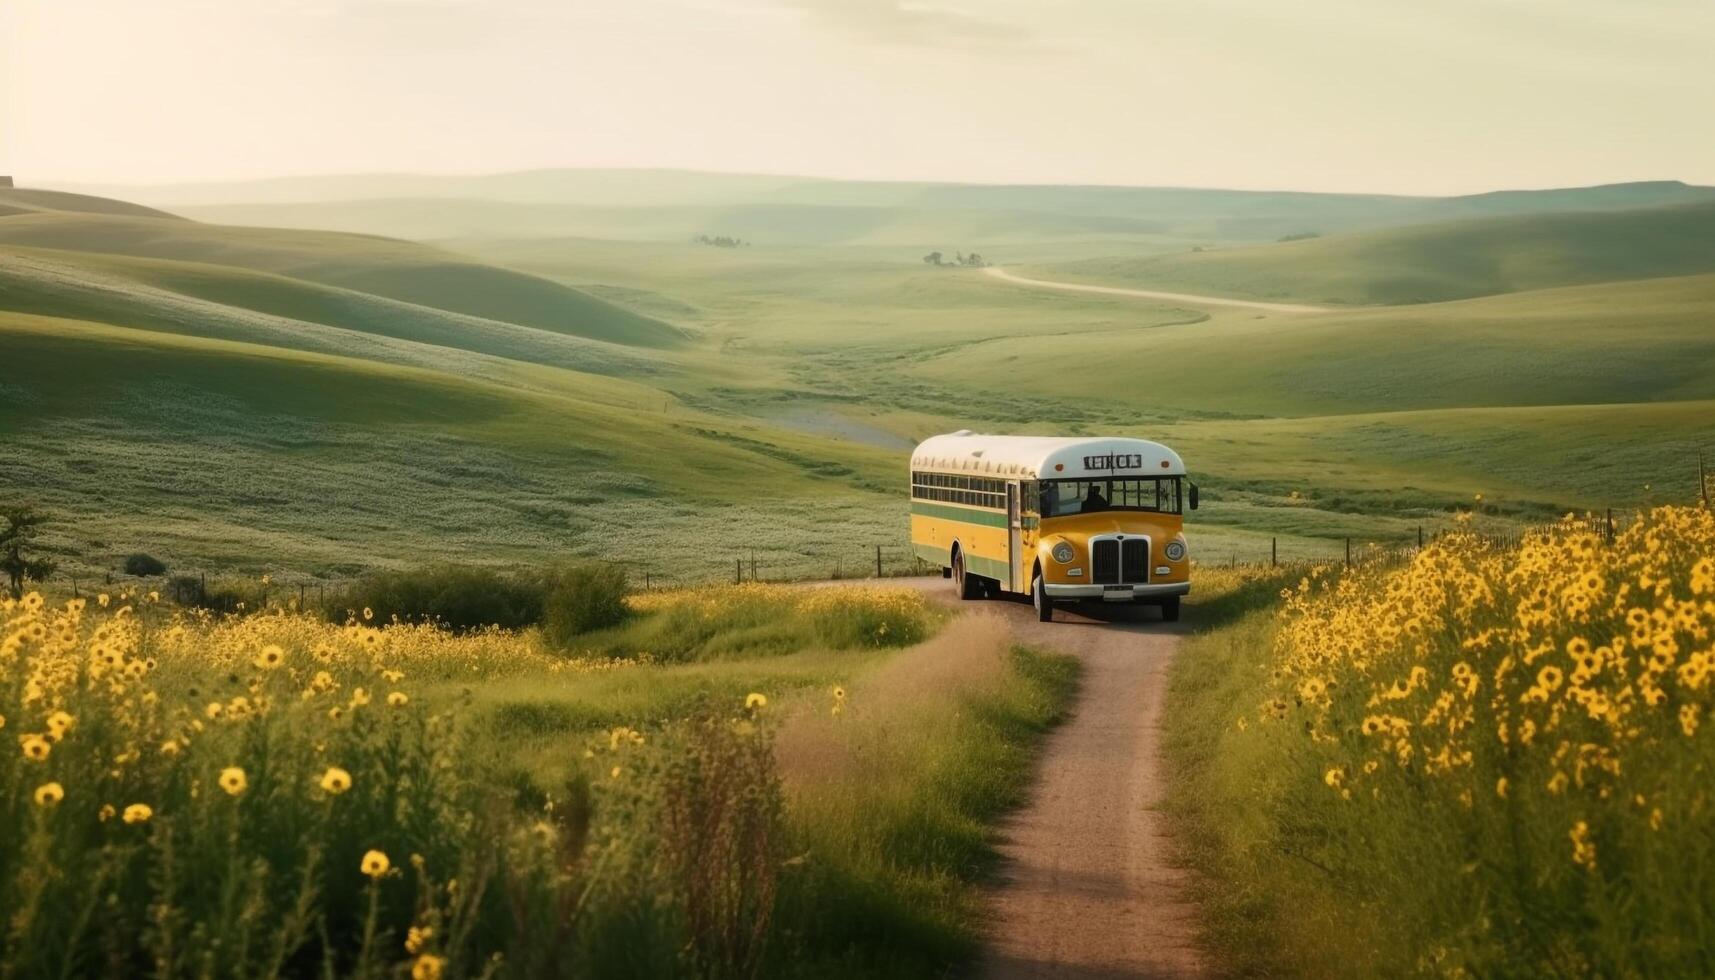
(1432, 96)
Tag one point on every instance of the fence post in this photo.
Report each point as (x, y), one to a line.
(1610, 525)
(878, 561)
(738, 577)
(1273, 552)
(300, 597)
(1420, 537)
(1348, 552)
(1702, 479)
(646, 581)
(202, 590)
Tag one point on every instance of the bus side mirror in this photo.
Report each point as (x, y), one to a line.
(1193, 496)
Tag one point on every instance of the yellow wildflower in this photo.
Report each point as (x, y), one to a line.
(336, 780)
(233, 780)
(375, 863)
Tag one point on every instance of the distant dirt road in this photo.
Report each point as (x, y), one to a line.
(1188, 298)
(1090, 889)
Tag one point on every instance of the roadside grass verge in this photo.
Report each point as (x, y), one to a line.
(892, 800)
(1484, 762)
(1263, 912)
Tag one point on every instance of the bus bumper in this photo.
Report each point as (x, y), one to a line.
(1119, 593)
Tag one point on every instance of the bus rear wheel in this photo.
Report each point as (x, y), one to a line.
(967, 585)
(1170, 609)
(1039, 596)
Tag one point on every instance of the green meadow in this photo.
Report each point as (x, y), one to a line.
(314, 377)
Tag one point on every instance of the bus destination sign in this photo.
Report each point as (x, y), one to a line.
(1114, 461)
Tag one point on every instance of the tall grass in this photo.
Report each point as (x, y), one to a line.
(274, 795)
(1486, 762)
(892, 791)
(758, 620)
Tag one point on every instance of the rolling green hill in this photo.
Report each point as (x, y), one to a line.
(1433, 263)
(398, 270)
(21, 200)
(666, 205)
(911, 228)
(1645, 341)
(340, 400)
(230, 303)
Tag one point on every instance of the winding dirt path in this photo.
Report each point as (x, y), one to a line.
(1188, 298)
(1089, 889)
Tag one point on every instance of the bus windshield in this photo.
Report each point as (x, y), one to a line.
(1157, 494)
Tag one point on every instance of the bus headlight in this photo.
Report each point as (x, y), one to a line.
(1063, 552)
(1175, 550)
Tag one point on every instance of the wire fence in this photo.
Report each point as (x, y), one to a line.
(229, 594)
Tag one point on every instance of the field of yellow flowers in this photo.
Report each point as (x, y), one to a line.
(1485, 762)
(276, 795)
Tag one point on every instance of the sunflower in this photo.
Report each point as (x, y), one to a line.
(336, 780)
(36, 748)
(375, 863)
(233, 780)
(49, 794)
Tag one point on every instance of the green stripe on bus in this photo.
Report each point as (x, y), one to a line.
(987, 518)
(988, 568)
(940, 557)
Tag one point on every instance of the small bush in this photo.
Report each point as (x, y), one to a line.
(582, 598)
(141, 565)
(456, 596)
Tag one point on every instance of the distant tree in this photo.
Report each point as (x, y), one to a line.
(1300, 236)
(933, 258)
(17, 541)
(975, 261)
(143, 565)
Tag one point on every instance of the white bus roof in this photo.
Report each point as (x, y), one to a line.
(1045, 457)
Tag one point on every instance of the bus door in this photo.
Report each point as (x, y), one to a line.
(1014, 533)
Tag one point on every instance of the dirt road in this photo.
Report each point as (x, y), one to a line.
(1187, 298)
(1089, 889)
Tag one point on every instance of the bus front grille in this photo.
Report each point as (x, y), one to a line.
(1105, 562)
(1134, 560)
(1119, 562)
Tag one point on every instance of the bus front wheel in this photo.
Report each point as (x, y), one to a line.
(968, 586)
(1170, 609)
(1039, 596)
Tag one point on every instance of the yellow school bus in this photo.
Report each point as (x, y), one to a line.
(1056, 518)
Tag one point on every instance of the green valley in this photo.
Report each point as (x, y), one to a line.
(558, 369)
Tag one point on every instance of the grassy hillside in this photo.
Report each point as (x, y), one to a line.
(1623, 342)
(213, 393)
(398, 270)
(914, 229)
(1211, 214)
(1433, 263)
(211, 452)
(229, 303)
(19, 200)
